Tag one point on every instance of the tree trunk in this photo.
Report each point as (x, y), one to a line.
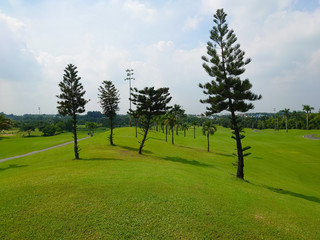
(111, 131)
(166, 133)
(143, 140)
(307, 121)
(286, 124)
(172, 136)
(177, 130)
(194, 132)
(208, 143)
(184, 133)
(239, 146)
(76, 150)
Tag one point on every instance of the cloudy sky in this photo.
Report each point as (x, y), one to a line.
(163, 42)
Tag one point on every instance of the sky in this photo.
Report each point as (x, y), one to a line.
(163, 42)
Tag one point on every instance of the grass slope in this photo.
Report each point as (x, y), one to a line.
(171, 191)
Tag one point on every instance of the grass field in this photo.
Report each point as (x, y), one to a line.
(13, 144)
(171, 191)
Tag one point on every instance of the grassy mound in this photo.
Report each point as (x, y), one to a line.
(171, 191)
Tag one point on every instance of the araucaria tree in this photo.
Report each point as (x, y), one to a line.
(227, 91)
(72, 101)
(109, 101)
(149, 103)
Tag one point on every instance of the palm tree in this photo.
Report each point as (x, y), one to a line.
(194, 124)
(286, 115)
(208, 129)
(171, 122)
(308, 110)
(185, 127)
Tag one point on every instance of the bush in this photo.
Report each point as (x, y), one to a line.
(49, 130)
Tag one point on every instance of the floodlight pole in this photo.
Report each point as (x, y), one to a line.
(129, 78)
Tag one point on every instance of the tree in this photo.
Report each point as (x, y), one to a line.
(171, 122)
(227, 91)
(91, 126)
(286, 113)
(308, 110)
(184, 127)
(208, 129)
(109, 101)
(49, 130)
(194, 124)
(5, 123)
(150, 102)
(72, 101)
(27, 127)
(179, 113)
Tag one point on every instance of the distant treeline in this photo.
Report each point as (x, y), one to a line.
(296, 120)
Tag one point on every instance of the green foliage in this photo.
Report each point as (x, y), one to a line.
(227, 91)
(208, 129)
(5, 123)
(109, 101)
(49, 130)
(91, 126)
(27, 127)
(72, 101)
(150, 102)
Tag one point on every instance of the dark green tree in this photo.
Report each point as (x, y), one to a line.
(208, 129)
(72, 101)
(227, 91)
(308, 110)
(27, 127)
(194, 124)
(5, 123)
(150, 102)
(109, 101)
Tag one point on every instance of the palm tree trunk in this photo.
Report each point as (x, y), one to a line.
(208, 143)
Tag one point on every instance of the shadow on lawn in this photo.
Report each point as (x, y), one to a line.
(185, 161)
(100, 159)
(133, 149)
(13, 166)
(298, 195)
(225, 155)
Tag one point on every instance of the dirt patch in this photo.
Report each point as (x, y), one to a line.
(311, 136)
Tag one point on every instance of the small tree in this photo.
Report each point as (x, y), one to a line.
(171, 122)
(286, 113)
(184, 127)
(5, 123)
(109, 101)
(226, 91)
(27, 127)
(91, 126)
(194, 124)
(179, 113)
(72, 101)
(208, 129)
(149, 103)
(308, 110)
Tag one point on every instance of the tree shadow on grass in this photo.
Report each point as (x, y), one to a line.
(13, 166)
(100, 159)
(293, 194)
(185, 161)
(134, 149)
(225, 155)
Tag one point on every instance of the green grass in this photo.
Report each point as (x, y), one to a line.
(171, 191)
(14, 144)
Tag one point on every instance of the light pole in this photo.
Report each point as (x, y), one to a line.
(129, 78)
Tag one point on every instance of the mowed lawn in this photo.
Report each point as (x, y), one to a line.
(170, 192)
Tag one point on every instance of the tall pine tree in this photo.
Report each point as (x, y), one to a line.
(109, 101)
(227, 91)
(72, 101)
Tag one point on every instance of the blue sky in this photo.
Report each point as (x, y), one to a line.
(163, 42)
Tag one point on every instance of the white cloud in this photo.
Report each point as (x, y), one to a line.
(191, 23)
(140, 10)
